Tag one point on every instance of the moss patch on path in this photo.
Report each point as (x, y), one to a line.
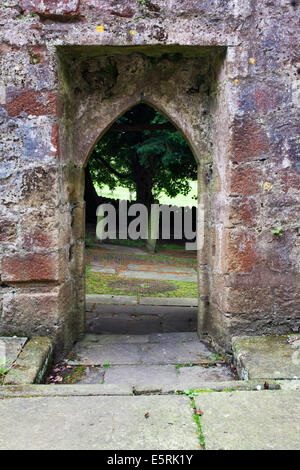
(97, 283)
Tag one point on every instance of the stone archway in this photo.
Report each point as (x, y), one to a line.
(67, 73)
(97, 87)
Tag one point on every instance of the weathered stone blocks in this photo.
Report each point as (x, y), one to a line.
(30, 102)
(226, 73)
(52, 8)
(250, 141)
(33, 267)
(43, 313)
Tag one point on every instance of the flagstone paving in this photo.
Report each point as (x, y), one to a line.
(266, 420)
(168, 358)
(98, 422)
(115, 417)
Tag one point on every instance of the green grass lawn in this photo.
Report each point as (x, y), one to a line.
(182, 201)
(97, 283)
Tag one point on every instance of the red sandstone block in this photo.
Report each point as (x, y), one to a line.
(55, 139)
(37, 239)
(249, 141)
(241, 252)
(245, 181)
(243, 211)
(53, 7)
(33, 103)
(32, 267)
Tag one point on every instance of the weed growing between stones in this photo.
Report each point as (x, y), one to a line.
(3, 372)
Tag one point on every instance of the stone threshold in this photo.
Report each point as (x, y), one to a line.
(36, 390)
(134, 300)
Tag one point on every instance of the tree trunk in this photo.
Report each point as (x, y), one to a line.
(143, 182)
(91, 198)
(144, 186)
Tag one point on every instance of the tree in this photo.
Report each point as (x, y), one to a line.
(144, 152)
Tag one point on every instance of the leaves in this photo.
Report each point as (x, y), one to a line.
(164, 152)
(277, 231)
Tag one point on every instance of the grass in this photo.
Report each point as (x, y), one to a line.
(97, 283)
(3, 372)
(122, 193)
(192, 394)
(75, 375)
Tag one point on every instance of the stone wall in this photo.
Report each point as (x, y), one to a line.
(226, 73)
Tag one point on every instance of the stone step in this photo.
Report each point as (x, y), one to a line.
(163, 349)
(139, 319)
(92, 300)
(180, 377)
(140, 339)
(267, 357)
(177, 359)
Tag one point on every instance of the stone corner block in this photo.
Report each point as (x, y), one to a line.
(32, 364)
(267, 357)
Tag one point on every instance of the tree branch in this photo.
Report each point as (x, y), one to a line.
(110, 168)
(142, 127)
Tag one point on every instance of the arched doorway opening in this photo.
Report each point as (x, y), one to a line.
(144, 175)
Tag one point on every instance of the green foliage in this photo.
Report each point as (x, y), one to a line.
(160, 159)
(277, 231)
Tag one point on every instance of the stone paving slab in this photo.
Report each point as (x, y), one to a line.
(94, 340)
(165, 374)
(114, 339)
(174, 353)
(10, 348)
(90, 352)
(266, 420)
(106, 299)
(93, 300)
(268, 357)
(122, 249)
(86, 354)
(160, 269)
(12, 391)
(94, 268)
(34, 390)
(98, 423)
(169, 301)
(184, 337)
(199, 375)
(142, 374)
(91, 376)
(158, 276)
(223, 386)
